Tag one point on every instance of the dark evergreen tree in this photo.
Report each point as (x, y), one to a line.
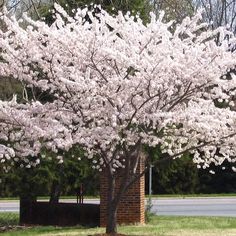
(179, 176)
(141, 7)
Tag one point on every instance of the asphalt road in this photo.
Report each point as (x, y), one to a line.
(169, 206)
(195, 207)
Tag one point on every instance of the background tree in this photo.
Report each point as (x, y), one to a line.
(141, 7)
(216, 12)
(66, 178)
(174, 10)
(179, 176)
(219, 12)
(219, 180)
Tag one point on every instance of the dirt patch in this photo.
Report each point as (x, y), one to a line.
(108, 235)
(117, 234)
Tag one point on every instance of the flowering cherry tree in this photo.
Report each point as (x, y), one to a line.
(117, 85)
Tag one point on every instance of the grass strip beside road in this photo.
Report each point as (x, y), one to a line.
(158, 226)
(201, 195)
(147, 196)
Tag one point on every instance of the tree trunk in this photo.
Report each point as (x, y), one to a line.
(118, 185)
(112, 205)
(55, 192)
(111, 227)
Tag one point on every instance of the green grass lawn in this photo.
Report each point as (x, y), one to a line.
(9, 218)
(158, 226)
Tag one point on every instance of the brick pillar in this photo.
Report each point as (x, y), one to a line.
(132, 206)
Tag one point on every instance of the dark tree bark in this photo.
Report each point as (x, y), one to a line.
(55, 192)
(112, 207)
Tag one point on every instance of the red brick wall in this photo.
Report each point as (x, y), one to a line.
(132, 206)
